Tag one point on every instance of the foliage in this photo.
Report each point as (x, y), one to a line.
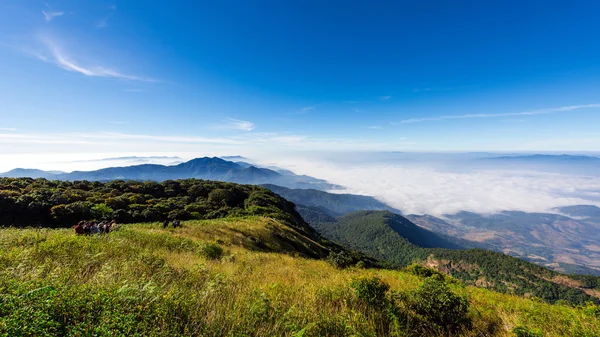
(439, 306)
(143, 280)
(390, 237)
(419, 270)
(32, 202)
(522, 331)
(212, 251)
(371, 290)
(340, 259)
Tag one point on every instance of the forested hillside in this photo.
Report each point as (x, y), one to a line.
(394, 239)
(32, 202)
(333, 204)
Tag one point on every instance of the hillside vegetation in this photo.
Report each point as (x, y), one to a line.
(393, 238)
(238, 277)
(46, 203)
(333, 204)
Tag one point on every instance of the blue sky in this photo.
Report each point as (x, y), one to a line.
(243, 77)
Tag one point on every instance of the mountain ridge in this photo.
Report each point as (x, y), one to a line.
(200, 168)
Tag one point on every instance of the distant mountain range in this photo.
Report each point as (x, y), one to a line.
(549, 158)
(566, 243)
(200, 168)
(564, 164)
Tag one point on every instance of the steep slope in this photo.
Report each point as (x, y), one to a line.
(199, 168)
(395, 239)
(332, 203)
(559, 242)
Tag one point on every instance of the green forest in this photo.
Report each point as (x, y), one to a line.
(398, 242)
(43, 203)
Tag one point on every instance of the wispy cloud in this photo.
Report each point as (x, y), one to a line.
(305, 110)
(237, 124)
(383, 98)
(49, 16)
(483, 115)
(118, 122)
(8, 129)
(102, 23)
(375, 127)
(57, 56)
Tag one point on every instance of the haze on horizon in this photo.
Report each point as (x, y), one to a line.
(305, 85)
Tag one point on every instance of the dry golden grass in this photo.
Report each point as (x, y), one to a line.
(256, 288)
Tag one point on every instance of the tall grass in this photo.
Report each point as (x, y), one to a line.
(147, 281)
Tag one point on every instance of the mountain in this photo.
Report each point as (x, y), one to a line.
(395, 239)
(200, 168)
(381, 234)
(548, 158)
(552, 240)
(563, 164)
(564, 243)
(32, 173)
(587, 212)
(331, 203)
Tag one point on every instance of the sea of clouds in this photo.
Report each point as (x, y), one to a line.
(442, 187)
(414, 183)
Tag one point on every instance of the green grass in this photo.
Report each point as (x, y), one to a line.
(228, 277)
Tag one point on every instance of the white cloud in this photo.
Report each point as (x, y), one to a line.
(8, 129)
(56, 55)
(49, 16)
(374, 127)
(484, 115)
(426, 190)
(384, 97)
(237, 124)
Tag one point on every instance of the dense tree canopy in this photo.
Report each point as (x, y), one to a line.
(34, 202)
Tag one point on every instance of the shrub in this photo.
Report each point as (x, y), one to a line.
(438, 305)
(326, 327)
(371, 290)
(419, 270)
(212, 251)
(340, 260)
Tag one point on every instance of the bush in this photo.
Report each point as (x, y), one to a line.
(438, 305)
(340, 260)
(419, 270)
(371, 290)
(212, 251)
(326, 327)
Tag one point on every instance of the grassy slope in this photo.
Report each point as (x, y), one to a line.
(145, 280)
